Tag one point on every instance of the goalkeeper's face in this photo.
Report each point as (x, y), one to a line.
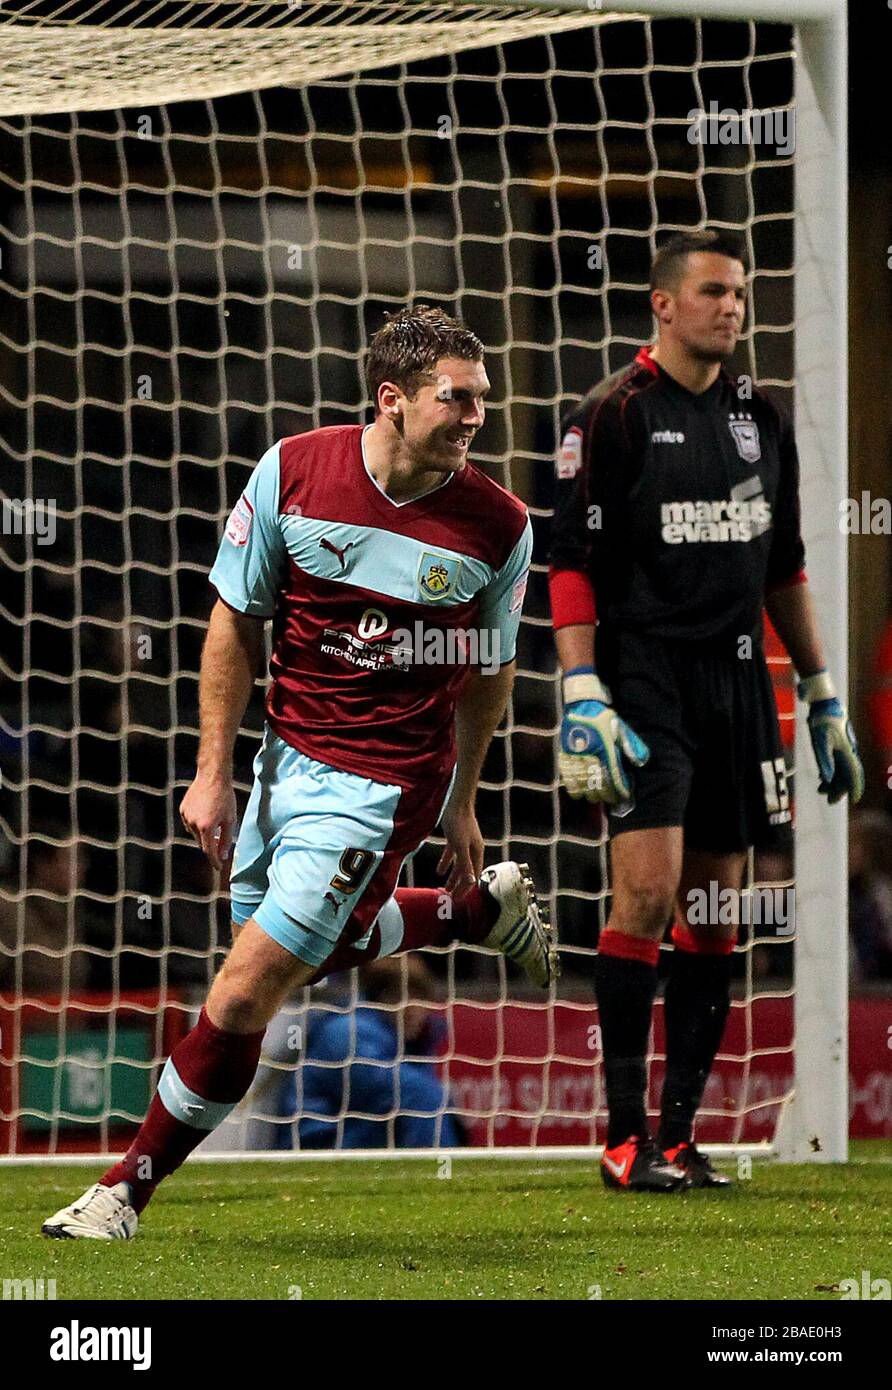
(445, 414)
(708, 306)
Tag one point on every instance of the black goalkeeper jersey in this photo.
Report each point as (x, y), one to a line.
(682, 509)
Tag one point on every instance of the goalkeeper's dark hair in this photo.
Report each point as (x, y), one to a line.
(670, 262)
(410, 343)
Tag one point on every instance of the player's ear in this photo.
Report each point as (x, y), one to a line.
(389, 400)
(661, 304)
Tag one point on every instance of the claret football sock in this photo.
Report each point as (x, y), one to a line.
(434, 918)
(698, 998)
(625, 985)
(204, 1078)
(413, 918)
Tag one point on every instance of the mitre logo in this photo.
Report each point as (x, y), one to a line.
(741, 517)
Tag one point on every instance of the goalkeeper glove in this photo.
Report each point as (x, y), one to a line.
(833, 739)
(594, 742)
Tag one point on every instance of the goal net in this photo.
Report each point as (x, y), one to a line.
(206, 211)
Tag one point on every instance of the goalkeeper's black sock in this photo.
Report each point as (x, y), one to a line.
(698, 998)
(625, 985)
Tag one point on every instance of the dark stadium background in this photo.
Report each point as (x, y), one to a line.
(85, 720)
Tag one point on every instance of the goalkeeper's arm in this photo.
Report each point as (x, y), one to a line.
(791, 609)
(597, 747)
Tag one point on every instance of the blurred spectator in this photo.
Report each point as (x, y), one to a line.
(870, 894)
(365, 1073)
(42, 929)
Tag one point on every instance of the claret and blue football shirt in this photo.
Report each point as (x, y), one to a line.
(345, 572)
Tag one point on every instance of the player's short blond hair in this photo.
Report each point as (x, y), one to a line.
(410, 343)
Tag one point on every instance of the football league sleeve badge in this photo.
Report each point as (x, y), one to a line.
(238, 527)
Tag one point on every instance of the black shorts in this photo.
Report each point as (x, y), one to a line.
(709, 718)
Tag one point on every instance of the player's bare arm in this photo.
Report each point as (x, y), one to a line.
(478, 714)
(575, 645)
(792, 611)
(229, 664)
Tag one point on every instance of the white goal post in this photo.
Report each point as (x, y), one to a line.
(106, 67)
(814, 1127)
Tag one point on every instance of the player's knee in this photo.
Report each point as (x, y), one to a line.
(643, 908)
(237, 1009)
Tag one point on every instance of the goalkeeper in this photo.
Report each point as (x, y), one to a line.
(677, 513)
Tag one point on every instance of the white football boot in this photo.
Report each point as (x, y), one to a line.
(102, 1213)
(522, 931)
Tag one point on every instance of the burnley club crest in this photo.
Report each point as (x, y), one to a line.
(437, 576)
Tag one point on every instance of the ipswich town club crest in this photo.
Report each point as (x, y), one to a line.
(437, 576)
(746, 437)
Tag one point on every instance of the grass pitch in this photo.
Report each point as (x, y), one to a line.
(493, 1230)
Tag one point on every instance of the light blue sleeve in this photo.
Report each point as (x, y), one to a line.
(502, 599)
(248, 569)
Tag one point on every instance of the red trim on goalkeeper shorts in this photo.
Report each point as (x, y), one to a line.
(686, 940)
(783, 680)
(619, 943)
(800, 577)
(572, 598)
(217, 1065)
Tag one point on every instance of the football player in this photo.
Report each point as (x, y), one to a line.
(676, 522)
(351, 539)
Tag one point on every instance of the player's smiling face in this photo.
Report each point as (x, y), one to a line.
(708, 306)
(446, 413)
